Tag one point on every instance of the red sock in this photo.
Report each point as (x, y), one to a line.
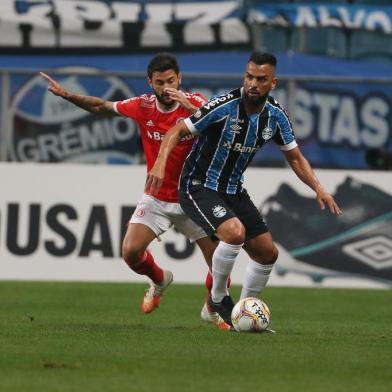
(209, 282)
(148, 267)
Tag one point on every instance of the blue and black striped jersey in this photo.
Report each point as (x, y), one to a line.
(228, 140)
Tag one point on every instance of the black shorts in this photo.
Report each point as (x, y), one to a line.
(209, 209)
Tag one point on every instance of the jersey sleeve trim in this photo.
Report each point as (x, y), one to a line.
(290, 146)
(190, 126)
(115, 107)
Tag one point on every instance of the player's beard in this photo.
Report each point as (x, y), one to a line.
(165, 100)
(255, 100)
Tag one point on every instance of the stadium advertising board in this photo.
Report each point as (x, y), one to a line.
(119, 26)
(336, 123)
(344, 16)
(46, 128)
(66, 222)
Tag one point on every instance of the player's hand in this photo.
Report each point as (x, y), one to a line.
(154, 179)
(324, 198)
(178, 96)
(53, 86)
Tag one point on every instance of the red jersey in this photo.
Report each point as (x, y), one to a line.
(154, 123)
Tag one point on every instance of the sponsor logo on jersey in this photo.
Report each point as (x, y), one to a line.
(196, 182)
(199, 99)
(235, 128)
(238, 147)
(156, 135)
(219, 211)
(267, 133)
(238, 120)
(150, 123)
(216, 101)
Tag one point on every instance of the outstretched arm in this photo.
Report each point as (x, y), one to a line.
(91, 104)
(304, 171)
(171, 139)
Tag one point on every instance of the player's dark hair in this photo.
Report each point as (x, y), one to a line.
(161, 63)
(261, 58)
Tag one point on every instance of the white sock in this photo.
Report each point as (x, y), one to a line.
(255, 279)
(222, 263)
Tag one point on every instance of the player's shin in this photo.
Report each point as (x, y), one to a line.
(222, 265)
(147, 266)
(255, 279)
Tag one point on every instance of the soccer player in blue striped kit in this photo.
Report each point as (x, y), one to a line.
(231, 129)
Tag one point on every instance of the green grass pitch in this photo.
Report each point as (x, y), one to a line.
(93, 337)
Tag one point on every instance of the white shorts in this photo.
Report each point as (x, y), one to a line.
(160, 215)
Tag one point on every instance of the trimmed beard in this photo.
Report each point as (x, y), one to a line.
(255, 101)
(163, 102)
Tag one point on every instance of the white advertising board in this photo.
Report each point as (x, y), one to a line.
(66, 221)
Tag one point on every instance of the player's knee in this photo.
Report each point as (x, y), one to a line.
(266, 256)
(273, 255)
(131, 253)
(232, 232)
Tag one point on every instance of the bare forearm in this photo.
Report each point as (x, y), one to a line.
(168, 144)
(91, 104)
(305, 173)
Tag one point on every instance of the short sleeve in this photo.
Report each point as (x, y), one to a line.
(284, 136)
(128, 107)
(213, 110)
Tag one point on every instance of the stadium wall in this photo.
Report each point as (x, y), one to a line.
(66, 222)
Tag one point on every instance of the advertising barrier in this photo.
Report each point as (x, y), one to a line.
(337, 123)
(67, 221)
(344, 16)
(71, 26)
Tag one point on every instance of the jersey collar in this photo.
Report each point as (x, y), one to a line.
(161, 108)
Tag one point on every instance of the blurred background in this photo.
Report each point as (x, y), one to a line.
(334, 66)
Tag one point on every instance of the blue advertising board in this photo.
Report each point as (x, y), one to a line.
(336, 122)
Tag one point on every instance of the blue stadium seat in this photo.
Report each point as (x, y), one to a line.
(321, 1)
(371, 2)
(275, 39)
(370, 44)
(322, 41)
(260, 2)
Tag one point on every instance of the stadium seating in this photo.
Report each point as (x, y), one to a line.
(333, 42)
(371, 2)
(323, 41)
(319, 1)
(370, 45)
(274, 39)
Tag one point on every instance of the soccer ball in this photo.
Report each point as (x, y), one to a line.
(250, 315)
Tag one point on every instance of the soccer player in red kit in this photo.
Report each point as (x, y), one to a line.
(154, 215)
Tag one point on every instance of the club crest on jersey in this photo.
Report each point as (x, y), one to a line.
(140, 212)
(197, 114)
(267, 133)
(219, 211)
(179, 119)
